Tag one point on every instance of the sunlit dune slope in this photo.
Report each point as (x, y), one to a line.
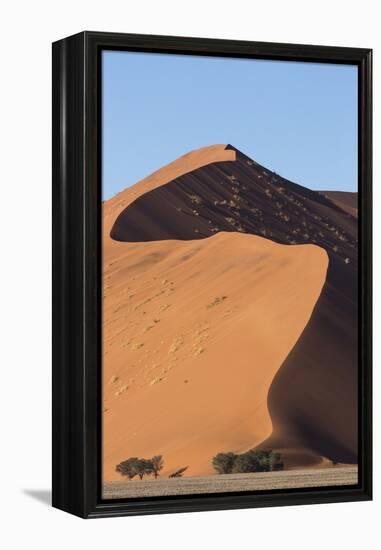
(194, 333)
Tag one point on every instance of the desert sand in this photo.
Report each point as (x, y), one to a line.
(229, 317)
(263, 481)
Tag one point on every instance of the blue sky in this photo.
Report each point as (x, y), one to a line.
(299, 119)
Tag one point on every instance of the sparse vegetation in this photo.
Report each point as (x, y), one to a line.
(140, 467)
(223, 462)
(222, 202)
(157, 465)
(252, 461)
(179, 472)
(217, 301)
(195, 199)
(128, 468)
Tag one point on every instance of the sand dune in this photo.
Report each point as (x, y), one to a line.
(189, 346)
(199, 317)
(345, 200)
(187, 163)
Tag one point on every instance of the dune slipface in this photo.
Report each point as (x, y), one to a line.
(219, 335)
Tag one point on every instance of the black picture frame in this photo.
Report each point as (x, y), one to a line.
(77, 263)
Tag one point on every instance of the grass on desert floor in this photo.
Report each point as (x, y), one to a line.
(263, 481)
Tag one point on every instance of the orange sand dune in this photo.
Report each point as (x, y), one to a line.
(194, 333)
(185, 224)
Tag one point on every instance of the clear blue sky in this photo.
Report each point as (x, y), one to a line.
(299, 119)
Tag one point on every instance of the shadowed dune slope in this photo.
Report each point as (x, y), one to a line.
(219, 189)
(189, 352)
(344, 199)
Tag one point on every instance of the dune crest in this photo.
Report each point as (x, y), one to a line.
(184, 164)
(176, 217)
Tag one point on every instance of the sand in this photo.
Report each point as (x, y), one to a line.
(264, 481)
(223, 329)
(189, 344)
(345, 200)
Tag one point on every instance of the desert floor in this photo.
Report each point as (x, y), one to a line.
(292, 479)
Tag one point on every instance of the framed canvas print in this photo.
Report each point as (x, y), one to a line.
(212, 274)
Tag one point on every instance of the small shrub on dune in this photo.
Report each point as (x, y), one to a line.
(140, 467)
(223, 462)
(128, 468)
(178, 473)
(157, 465)
(217, 301)
(261, 460)
(246, 463)
(144, 467)
(195, 199)
(269, 460)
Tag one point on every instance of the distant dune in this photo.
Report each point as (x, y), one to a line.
(345, 200)
(217, 335)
